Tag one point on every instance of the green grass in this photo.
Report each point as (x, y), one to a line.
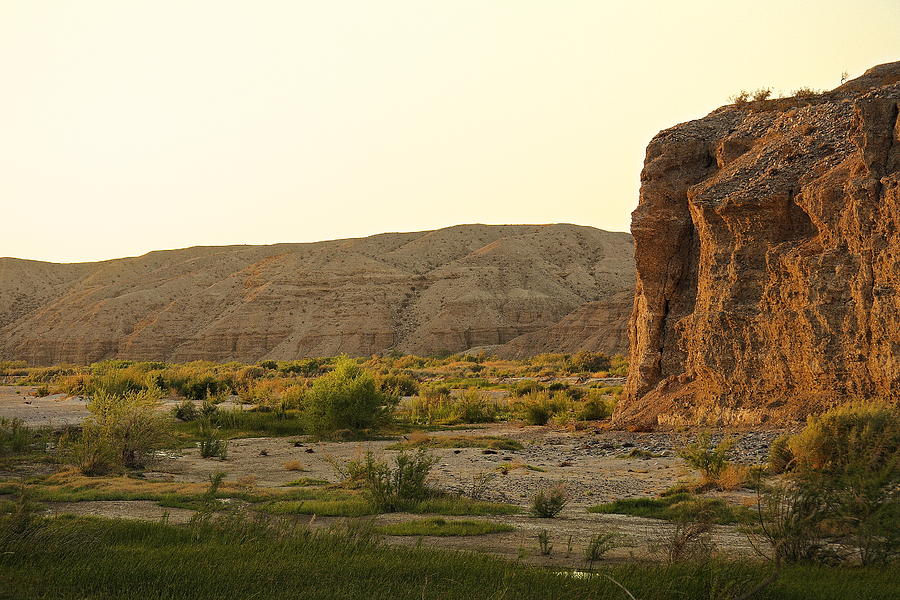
(672, 506)
(340, 503)
(76, 558)
(349, 507)
(247, 423)
(460, 506)
(306, 482)
(442, 527)
(458, 441)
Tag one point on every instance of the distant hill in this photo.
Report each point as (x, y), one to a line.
(516, 289)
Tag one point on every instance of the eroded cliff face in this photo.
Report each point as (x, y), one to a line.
(767, 248)
(426, 292)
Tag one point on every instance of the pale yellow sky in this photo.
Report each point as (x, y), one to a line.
(128, 126)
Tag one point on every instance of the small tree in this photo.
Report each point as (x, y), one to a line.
(347, 398)
(122, 431)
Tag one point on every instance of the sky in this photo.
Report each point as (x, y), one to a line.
(131, 126)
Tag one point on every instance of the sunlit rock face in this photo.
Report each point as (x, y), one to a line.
(767, 249)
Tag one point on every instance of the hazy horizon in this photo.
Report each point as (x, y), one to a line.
(341, 239)
(142, 126)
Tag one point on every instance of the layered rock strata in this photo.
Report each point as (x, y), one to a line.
(767, 249)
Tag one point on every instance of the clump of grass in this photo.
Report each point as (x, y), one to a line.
(306, 482)
(458, 505)
(350, 507)
(600, 544)
(212, 444)
(419, 440)
(672, 507)
(15, 437)
(548, 503)
(442, 527)
(238, 423)
(293, 465)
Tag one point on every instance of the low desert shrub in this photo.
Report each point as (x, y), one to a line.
(185, 411)
(398, 385)
(600, 544)
(475, 406)
(15, 437)
(690, 540)
(345, 399)
(791, 520)
(393, 488)
(594, 408)
(211, 443)
(781, 458)
(856, 434)
(548, 503)
(711, 460)
(538, 408)
(121, 432)
(525, 388)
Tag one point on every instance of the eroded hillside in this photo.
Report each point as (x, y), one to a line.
(428, 292)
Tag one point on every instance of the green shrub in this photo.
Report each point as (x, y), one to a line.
(15, 436)
(345, 399)
(856, 434)
(212, 444)
(121, 431)
(398, 385)
(594, 408)
(708, 459)
(781, 458)
(185, 411)
(475, 406)
(539, 407)
(525, 388)
(549, 502)
(391, 489)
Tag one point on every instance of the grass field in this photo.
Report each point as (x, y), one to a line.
(74, 558)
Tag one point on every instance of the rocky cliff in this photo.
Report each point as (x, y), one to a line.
(767, 249)
(428, 292)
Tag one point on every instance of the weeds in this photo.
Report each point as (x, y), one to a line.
(441, 527)
(391, 489)
(548, 503)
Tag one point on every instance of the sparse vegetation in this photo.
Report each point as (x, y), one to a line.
(121, 432)
(441, 527)
(548, 503)
(711, 460)
(420, 440)
(671, 508)
(393, 488)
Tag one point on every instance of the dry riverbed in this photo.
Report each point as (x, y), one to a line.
(596, 466)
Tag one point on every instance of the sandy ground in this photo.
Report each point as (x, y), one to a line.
(593, 465)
